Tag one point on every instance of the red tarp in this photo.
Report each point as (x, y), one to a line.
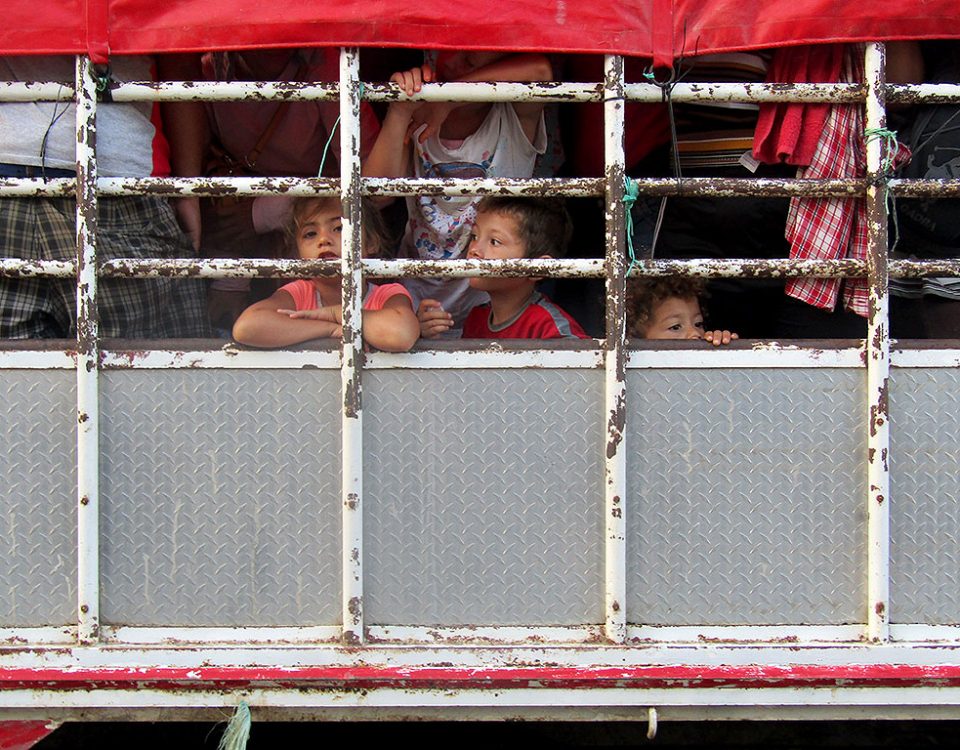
(664, 28)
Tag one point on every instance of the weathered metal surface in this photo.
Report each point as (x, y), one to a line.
(452, 91)
(925, 519)
(732, 187)
(924, 188)
(351, 363)
(88, 357)
(220, 91)
(483, 497)
(55, 187)
(749, 92)
(170, 187)
(560, 187)
(219, 497)
(746, 490)
(38, 458)
(877, 359)
(615, 357)
(18, 267)
(927, 93)
(21, 91)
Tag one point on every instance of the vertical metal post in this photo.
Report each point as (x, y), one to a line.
(351, 362)
(878, 360)
(615, 355)
(88, 356)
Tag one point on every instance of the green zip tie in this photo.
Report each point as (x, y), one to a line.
(333, 130)
(890, 147)
(631, 192)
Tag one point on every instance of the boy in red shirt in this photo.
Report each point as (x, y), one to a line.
(510, 227)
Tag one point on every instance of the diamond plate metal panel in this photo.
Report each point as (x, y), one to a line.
(220, 497)
(746, 497)
(483, 497)
(925, 512)
(38, 482)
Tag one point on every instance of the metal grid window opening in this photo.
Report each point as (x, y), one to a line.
(612, 383)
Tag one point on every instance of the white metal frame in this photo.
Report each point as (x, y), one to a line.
(872, 646)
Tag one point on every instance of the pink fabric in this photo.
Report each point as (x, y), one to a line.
(304, 294)
(834, 228)
(789, 133)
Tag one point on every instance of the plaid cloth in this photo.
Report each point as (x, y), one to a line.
(834, 228)
(129, 227)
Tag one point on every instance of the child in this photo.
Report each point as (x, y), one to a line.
(509, 227)
(443, 139)
(310, 309)
(669, 308)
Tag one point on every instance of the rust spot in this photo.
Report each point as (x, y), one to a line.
(83, 417)
(351, 397)
(871, 453)
(879, 411)
(353, 501)
(354, 607)
(84, 608)
(84, 500)
(615, 426)
(880, 499)
(880, 608)
(615, 606)
(617, 513)
(616, 499)
(883, 459)
(355, 555)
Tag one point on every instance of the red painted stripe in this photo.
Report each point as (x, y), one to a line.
(750, 676)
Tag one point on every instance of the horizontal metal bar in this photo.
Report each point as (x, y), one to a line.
(745, 634)
(733, 187)
(479, 91)
(555, 187)
(914, 269)
(924, 188)
(579, 268)
(220, 268)
(922, 93)
(756, 268)
(220, 91)
(218, 186)
(23, 268)
(749, 92)
(741, 355)
(940, 354)
(19, 91)
(27, 187)
(32, 358)
(247, 636)
(229, 356)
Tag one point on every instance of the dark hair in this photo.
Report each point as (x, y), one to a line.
(543, 223)
(643, 296)
(375, 233)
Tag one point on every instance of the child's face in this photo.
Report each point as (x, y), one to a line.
(675, 318)
(319, 234)
(496, 236)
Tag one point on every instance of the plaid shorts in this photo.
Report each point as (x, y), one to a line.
(128, 227)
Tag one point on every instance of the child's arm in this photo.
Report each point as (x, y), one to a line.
(719, 337)
(519, 68)
(394, 328)
(262, 324)
(390, 155)
(433, 319)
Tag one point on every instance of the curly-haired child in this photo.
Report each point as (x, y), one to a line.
(669, 308)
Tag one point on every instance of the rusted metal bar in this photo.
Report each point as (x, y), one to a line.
(457, 269)
(552, 186)
(877, 361)
(18, 267)
(615, 357)
(922, 93)
(223, 91)
(915, 269)
(26, 187)
(459, 91)
(20, 91)
(170, 187)
(733, 187)
(924, 188)
(88, 356)
(749, 92)
(351, 363)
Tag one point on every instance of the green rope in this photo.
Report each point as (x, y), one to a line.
(890, 147)
(630, 194)
(333, 130)
(237, 733)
